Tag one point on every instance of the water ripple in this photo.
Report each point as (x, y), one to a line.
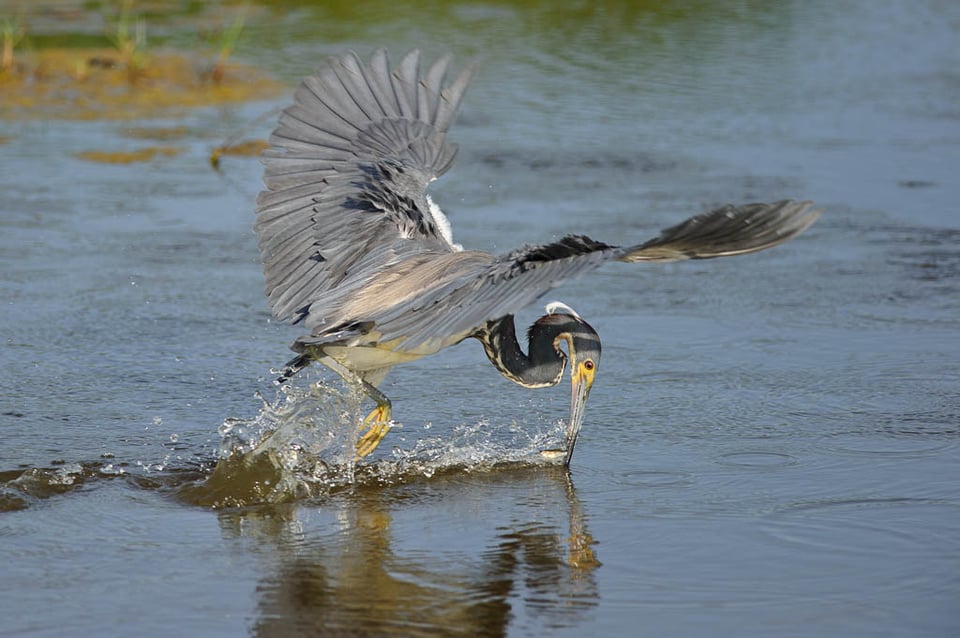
(655, 478)
(859, 443)
(757, 459)
(910, 528)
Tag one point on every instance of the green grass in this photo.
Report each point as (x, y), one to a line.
(227, 42)
(128, 36)
(12, 31)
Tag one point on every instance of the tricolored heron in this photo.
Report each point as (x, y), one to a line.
(355, 250)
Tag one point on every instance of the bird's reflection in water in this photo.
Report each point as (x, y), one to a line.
(341, 568)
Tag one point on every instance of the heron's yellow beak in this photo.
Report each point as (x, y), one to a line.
(581, 380)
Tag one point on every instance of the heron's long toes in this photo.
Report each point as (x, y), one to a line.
(378, 424)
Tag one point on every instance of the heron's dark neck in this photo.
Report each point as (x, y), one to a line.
(544, 364)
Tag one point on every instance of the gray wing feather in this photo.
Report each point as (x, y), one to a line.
(347, 173)
(730, 230)
(429, 100)
(450, 98)
(406, 76)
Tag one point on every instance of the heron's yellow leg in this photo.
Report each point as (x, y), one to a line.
(377, 424)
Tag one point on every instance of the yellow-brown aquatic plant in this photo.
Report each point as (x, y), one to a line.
(129, 37)
(227, 43)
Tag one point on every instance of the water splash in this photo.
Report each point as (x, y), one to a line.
(475, 446)
(302, 445)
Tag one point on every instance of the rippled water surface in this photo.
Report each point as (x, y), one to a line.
(771, 447)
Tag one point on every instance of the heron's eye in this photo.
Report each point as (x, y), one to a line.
(589, 365)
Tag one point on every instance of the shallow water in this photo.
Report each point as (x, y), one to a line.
(771, 447)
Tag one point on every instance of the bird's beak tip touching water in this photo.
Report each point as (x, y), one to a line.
(581, 380)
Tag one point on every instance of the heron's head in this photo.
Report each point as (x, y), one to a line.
(583, 349)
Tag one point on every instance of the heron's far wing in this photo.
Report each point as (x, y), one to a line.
(513, 281)
(729, 230)
(347, 173)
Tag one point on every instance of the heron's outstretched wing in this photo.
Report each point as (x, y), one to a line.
(475, 291)
(347, 172)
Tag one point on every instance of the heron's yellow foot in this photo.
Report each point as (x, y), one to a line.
(377, 424)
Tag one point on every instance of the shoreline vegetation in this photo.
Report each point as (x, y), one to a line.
(125, 79)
